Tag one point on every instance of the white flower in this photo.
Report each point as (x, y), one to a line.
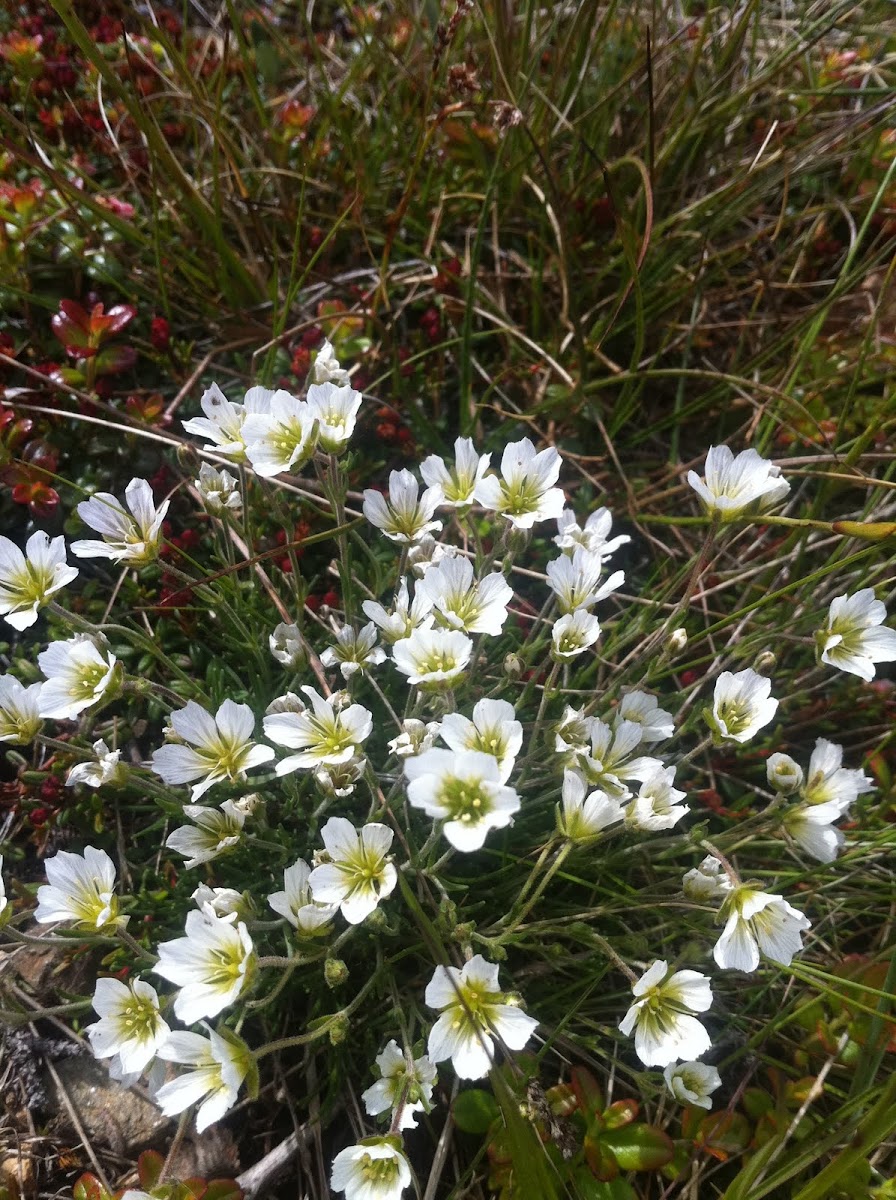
(3, 900)
(731, 485)
(336, 410)
(758, 922)
(610, 762)
(104, 768)
(576, 580)
(214, 831)
(281, 439)
(465, 789)
(222, 425)
(656, 805)
(573, 633)
(212, 965)
(692, 1083)
(494, 730)
(128, 536)
(784, 774)
(354, 651)
(584, 816)
(427, 552)
(28, 580)
(19, 711)
(220, 1063)
(812, 828)
(326, 368)
(656, 724)
(404, 617)
(323, 734)
(830, 783)
(358, 873)
(854, 637)
(373, 1170)
(340, 780)
(473, 1008)
(406, 1084)
(455, 487)
(222, 901)
(741, 706)
(130, 1024)
(79, 888)
(403, 517)
(595, 536)
(708, 881)
(295, 903)
(288, 646)
(572, 733)
(223, 747)
(525, 492)
(78, 675)
(415, 737)
(432, 656)
(219, 490)
(662, 1015)
(462, 604)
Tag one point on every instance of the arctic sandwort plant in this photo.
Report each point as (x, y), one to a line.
(367, 812)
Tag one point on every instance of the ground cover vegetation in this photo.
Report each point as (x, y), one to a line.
(448, 529)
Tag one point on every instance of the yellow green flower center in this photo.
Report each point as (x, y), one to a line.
(90, 676)
(140, 1019)
(465, 799)
(379, 1170)
(520, 497)
(734, 715)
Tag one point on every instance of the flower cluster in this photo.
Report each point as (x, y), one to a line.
(435, 736)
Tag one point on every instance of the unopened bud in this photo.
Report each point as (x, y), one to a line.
(784, 775)
(288, 646)
(513, 666)
(339, 1030)
(707, 882)
(335, 972)
(187, 456)
(676, 641)
(377, 921)
(253, 804)
(765, 662)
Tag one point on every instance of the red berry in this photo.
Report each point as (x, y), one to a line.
(160, 333)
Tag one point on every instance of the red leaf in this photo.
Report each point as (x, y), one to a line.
(149, 1168)
(119, 317)
(588, 1091)
(621, 1112)
(72, 334)
(75, 313)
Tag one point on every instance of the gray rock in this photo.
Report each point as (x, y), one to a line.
(111, 1114)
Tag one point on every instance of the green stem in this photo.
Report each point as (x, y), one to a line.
(516, 919)
(313, 1035)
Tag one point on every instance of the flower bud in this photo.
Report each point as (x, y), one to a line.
(784, 775)
(709, 881)
(676, 641)
(765, 662)
(219, 490)
(288, 646)
(187, 457)
(513, 666)
(253, 805)
(339, 1030)
(335, 972)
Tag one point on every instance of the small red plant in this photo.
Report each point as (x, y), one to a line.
(83, 335)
